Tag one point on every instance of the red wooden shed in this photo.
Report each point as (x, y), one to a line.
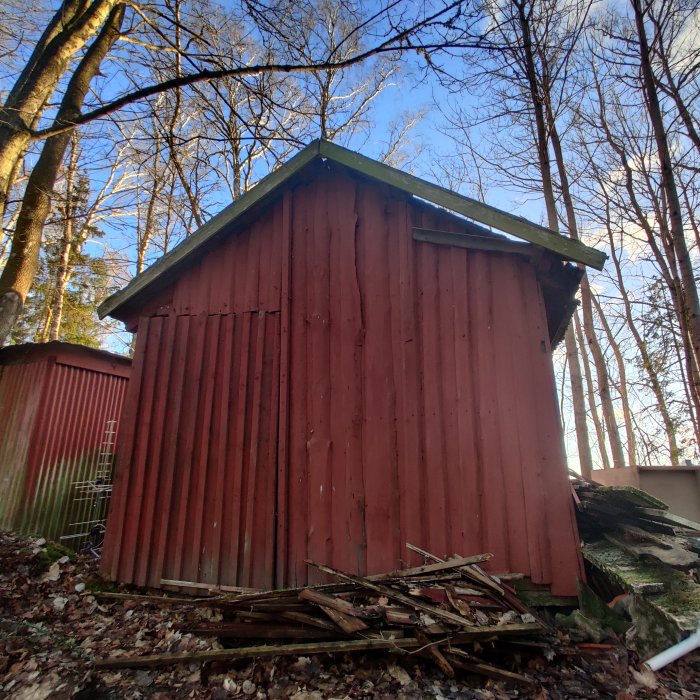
(59, 405)
(339, 363)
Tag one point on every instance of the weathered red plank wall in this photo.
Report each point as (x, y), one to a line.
(407, 396)
(422, 399)
(200, 427)
(54, 408)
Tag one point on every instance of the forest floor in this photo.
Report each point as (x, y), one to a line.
(54, 624)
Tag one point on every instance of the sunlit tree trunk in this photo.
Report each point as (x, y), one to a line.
(19, 272)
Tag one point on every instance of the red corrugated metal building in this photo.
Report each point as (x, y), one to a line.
(334, 366)
(56, 402)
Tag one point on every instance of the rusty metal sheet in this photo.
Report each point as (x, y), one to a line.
(53, 417)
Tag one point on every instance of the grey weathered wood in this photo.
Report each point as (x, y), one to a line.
(392, 594)
(472, 242)
(448, 564)
(305, 649)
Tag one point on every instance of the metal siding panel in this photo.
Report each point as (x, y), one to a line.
(20, 398)
(53, 419)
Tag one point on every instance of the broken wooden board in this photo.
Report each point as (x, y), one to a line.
(671, 554)
(662, 618)
(304, 649)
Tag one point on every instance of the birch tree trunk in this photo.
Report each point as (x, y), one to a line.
(19, 272)
(67, 243)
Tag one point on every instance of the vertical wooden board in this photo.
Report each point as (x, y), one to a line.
(182, 540)
(530, 447)
(465, 477)
(318, 387)
(454, 501)
(209, 552)
(220, 460)
(124, 469)
(227, 282)
(241, 254)
(563, 556)
(155, 467)
(433, 420)
(281, 548)
(491, 486)
(253, 470)
(165, 510)
(272, 244)
(346, 340)
(216, 381)
(263, 570)
(220, 267)
(298, 425)
(510, 338)
(252, 268)
(379, 398)
(407, 381)
(239, 420)
(131, 540)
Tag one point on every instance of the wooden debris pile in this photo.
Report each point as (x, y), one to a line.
(449, 611)
(637, 523)
(642, 560)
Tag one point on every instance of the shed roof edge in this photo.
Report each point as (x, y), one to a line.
(491, 216)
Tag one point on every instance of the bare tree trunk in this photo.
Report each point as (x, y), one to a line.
(624, 397)
(592, 408)
(690, 302)
(586, 304)
(67, 241)
(18, 275)
(579, 405)
(545, 168)
(665, 258)
(674, 453)
(68, 32)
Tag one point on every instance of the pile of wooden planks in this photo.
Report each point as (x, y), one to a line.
(637, 523)
(447, 610)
